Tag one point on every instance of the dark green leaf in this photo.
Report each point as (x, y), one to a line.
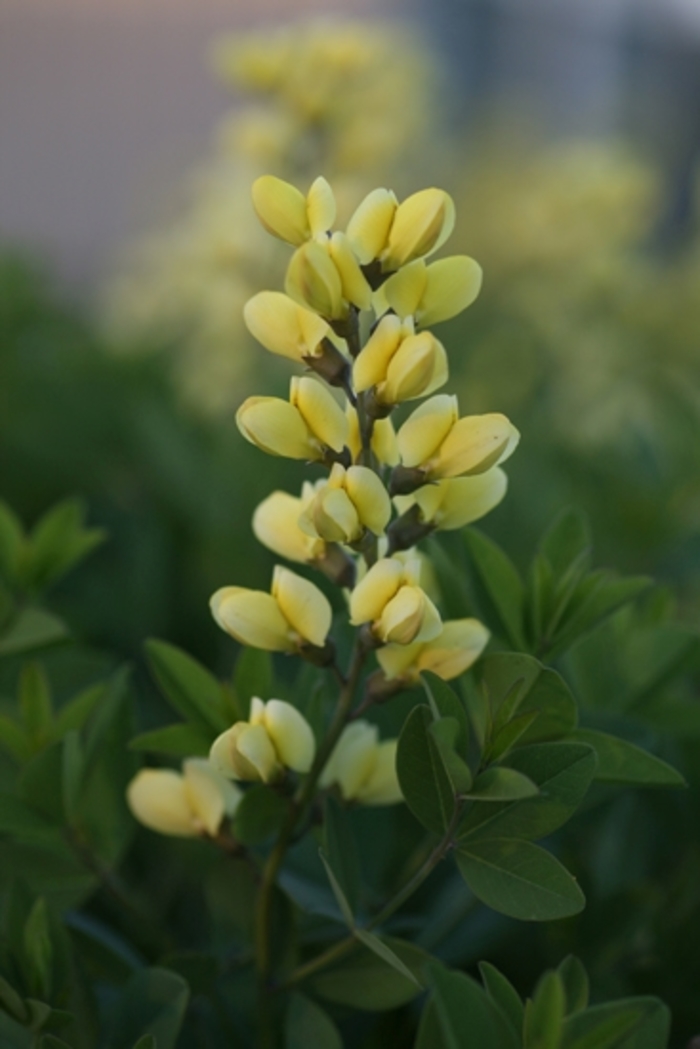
(50, 1041)
(11, 1002)
(153, 1002)
(544, 1014)
(447, 704)
(11, 542)
(307, 1026)
(540, 593)
(187, 685)
(562, 772)
(182, 740)
(14, 740)
(598, 596)
(32, 630)
(502, 582)
(344, 906)
(378, 947)
(623, 762)
(41, 783)
(539, 688)
(73, 771)
(35, 703)
(575, 980)
(445, 733)
(506, 738)
(632, 1023)
(502, 992)
(58, 542)
(519, 879)
(252, 677)
(341, 850)
(421, 774)
(502, 784)
(364, 981)
(261, 813)
(567, 538)
(467, 1015)
(76, 712)
(38, 952)
(147, 1042)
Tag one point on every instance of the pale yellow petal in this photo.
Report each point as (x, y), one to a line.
(313, 280)
(210, 795)
(352, 759)
(474, 444)
(303, 605)
(463, 500)
(375, 589)
(451, 286)
(422, 223)
(255, 745)
(226, 759)
(455, 649)
(411, 369)
(276, 526)
(426, 428)
(371, 364)
(368, 229)
(335, 518)
(283, 326)
(354, 284)
(399, 660)
(158, 799)
(403, 291)
(276, 427)
(320, 207)
(382, 785)
(370, 498)
(291, 735)
(281, 209)
(252, 617)
(320, 412)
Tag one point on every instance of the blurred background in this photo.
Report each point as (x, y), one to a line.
(568, 132)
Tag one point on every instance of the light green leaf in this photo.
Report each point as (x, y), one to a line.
(422, 777)
(539, 688)
(188, 686)
(58, 542)
(502, 784)
(519, 879)
(622, 762)
(147, 1042)
(466, 1014)
(566, 539)
(14, 740)
(37, 949)
(76, 712)
(632, 1023)
(447, 704)
(11, 542)
(307, 1026)
(11, 1001)
(544, 1014)
(33, 629)
(181, 740)
(502, 583)
(576, 987)
(73, 771)
(445, 733)
(35, 703)
(502, 992)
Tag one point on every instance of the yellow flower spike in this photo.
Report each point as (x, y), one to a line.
(252, 617)
(354, 283)
(474, 444)
(403, 291)
(352, 760)
(380, 583)
(210, 795)
(278, 428)
(451, 653)
(245, 752)
(313, 280)
(291, 735)
(368, 229)
(384, 444)
(409, 616)
(418, 367)
(421, 225)
(332, 516)
(320, 411)
(426, 428)
(370, 366)
(382, 785)
(320, 207)
(433, 293)
(303, 605)
(390, 597)
(284, 327)
(276, 526)
(186, 805)
(457, 501)
(281, 209)
(347, 503)
(369, 497)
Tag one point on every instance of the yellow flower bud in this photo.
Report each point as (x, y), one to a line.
(363, 768)
(288, 214)
(433, 293)
(276, 526)
(422, 223)
(353, 281)
(368, 229)
(347, 503)
(246, 752)
(391, 599)
(399, 364)
(437, 441)
(284, 327)
(289, 731)
(384, 443)
(186, 805)
(454, 650)
(295, 613)
(313, 280)
(457, 501)
(301, 428)
(320, 411)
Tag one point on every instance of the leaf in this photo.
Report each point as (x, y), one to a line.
(422, 777)
(182, 740)
(445, 733)
(147, 1042)
(76, 712)
(153, 1002)
(502, 583)
(364, 981)
(33, 629)
(11, 542)
(188, 686)
(58, 542)
(447, 704)
(544, 1014)
(519, 879)
(375, 944)
(35, 703)
(11, 1002)
(260, 813)
(252, 677)
(40, 783)
(563, 773)
(502, 992)
(73, 771)
(50, 1041)
(467, 1015)
(37, 949)
(575, 980)
(541, 689)
(341, 850)
(502, 784)
(307, 1026)
(14, 739)
(340, 899)
(632, 1023)
(622, 762)
(567, 538)
(598, 596)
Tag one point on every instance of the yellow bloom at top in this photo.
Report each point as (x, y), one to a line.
(436, 292)
(304, 427)
(325, 275)
(396, 234)
(399, 364)
(286, 213)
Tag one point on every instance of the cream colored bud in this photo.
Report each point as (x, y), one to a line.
(320, 411)
(353, 282)
(368, 229)
(186, 805)
(409, 616)
(451, 653)
(284, 327)
(370, 366)
(436, 292)
(253, 618)
(320, 207)
(278, 428)
(276, 526)
(426, 428)
(246, 752)
(314, 281)
(379, 584)
(390, 597)
(303, 605)
(363, 768)
(281, 209)
(457, 501)
(422, 223)
(437, 441)
(382, 785)
(383, 443)
(347, 503)
(418, 367)
(290, 733)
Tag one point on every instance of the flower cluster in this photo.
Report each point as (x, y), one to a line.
(355, 311)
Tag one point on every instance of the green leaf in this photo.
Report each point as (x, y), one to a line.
(76, 712)
(597, 597)
(188, 686)
(14, 1035)
(153, 1002)
(563, 773)
(307, 1026)
(14, 740)
(365, 981)
(539, 688)
(345, 908)
(58, 542)
(502, 784)
(252, 677)
(73, 772)
(375, 944)
(505, 739)
(41, 783)
(340, 849)
(33, 629)
(35, 703)
(447, 704)
(544, 1014)
(11, 1002)
(182, 740)
(502, 583)
(147, 1042)
(502, 992)
(422, 777)
(576, 987)
(467, 1015)
(11, 542)
(445, 733)
(567, 538)
(519, 879)
(50, 1041)
(37, 949)
(632, 1023)
(622, 762)
(260, 814)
